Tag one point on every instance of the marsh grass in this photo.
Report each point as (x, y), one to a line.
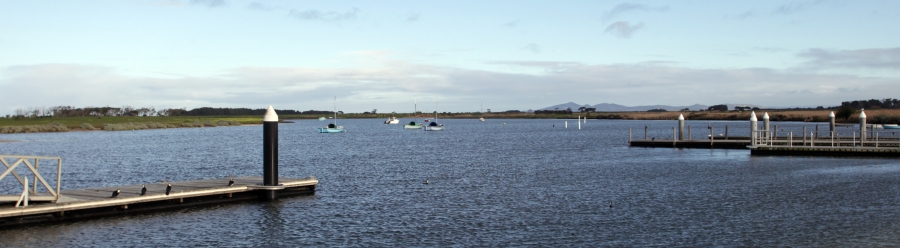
(51, 127)
(63, 124)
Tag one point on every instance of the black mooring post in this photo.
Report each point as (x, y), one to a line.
(270, 153)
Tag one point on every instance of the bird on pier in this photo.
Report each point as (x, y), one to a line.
(115, 193)
(168, 189)
(143, 189)
(230, 182)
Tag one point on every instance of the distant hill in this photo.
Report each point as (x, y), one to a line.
(612, 107)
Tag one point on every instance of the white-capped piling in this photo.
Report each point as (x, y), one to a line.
(753, 128)
(830, 122)
(862, 126)
(766, 124)
(680, 127)
(270, 153)
(579, 122)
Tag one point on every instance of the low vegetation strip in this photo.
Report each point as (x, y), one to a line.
(63, 124)
(52, 127)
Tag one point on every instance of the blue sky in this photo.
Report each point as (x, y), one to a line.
(503, 54)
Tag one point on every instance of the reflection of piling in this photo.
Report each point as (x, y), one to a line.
(270, 153)
(681, 127)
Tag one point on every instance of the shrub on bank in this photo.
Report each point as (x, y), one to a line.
(87, 126)
(135, 126)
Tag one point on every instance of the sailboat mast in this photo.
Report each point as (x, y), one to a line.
(335, 110)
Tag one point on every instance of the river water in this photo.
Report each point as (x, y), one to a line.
(493, 183)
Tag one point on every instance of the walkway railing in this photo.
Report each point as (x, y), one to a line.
(830, 139)
(31, 163)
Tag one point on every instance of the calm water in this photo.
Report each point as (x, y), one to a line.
(526, 183)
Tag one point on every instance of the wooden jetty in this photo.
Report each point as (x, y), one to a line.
(95, 202)
(766, 141)
(49, 203)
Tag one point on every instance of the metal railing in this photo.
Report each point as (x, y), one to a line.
(830, 139)
(30, 192)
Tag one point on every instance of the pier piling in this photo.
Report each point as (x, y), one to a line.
(862, 126)
(270, 153)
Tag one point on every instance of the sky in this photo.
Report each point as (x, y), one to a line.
(456, 56)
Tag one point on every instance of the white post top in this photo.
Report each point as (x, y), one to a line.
(270, 116)
(766, 116)
(862, 114)
(752, 115)
(831, 115)
(681, 117)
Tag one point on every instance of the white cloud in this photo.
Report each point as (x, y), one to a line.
(316, 15)
(623, 29)
(631, 7)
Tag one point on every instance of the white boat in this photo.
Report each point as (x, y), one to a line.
(481, 119)
(413, 124)
(392, 120)
(890, 126)
(322, 119)
(434, 126)
(333, 128)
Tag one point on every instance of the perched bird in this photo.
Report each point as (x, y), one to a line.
(168, 189)
(115, 193)
(143, 189)
(230, 182)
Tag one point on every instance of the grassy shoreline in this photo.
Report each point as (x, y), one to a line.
(64, 124)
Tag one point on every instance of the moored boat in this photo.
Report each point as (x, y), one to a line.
(333, 127)
(392, 120)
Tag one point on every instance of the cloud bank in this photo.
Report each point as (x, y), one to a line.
(392, 85)
(877, 58)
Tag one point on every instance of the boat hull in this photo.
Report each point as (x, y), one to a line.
(435, 128)
(890, 126)
(412, 126)
(331, 130)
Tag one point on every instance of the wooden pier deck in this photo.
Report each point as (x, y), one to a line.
(715, 144)
(744, 142)
(95, 202)
(837, 151)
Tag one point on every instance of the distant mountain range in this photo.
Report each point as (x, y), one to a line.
(612, 107)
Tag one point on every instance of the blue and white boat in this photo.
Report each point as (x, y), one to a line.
(333, 127)
(434, 126)
(890, 126)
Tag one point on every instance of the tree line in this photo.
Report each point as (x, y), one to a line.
(70, 111)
